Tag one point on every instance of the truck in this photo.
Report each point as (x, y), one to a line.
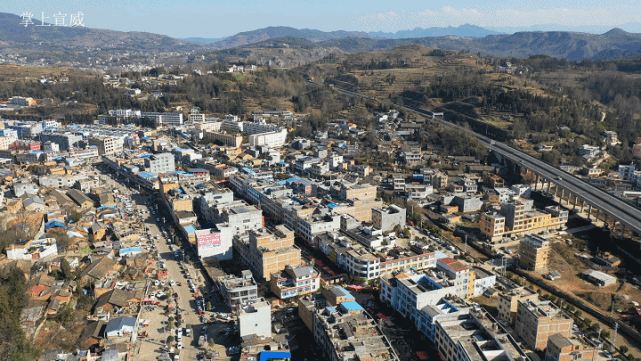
(201, 340)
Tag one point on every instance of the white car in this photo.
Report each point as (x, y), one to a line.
(179, 345)
(156, 283)
(172, 283)
(152, 295)
(160, 294)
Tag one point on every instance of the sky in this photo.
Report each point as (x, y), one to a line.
(220, 18)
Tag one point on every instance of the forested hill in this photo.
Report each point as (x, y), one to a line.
(272, 32)
(565, 45)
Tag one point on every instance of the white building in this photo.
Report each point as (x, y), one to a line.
(255, 318)
(160, 163)
(37, 248)
(270, 139)
(215, 243)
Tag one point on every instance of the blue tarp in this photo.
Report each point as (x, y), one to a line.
(107, 206)
(281, 163)
(248, 171)
(145, 175)
(332, 205)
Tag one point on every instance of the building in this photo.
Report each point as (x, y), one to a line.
(573, 348)
(236, 290)
(65, 141)
(509, 302)
(476, 336)
(518, 218)
(160, 163)
(389, 217)
(458, 273)
(120, 327)
(32, 249)
(270, 139)
(229, 139)
(254, 318)
(21, 101)
(482, 280)
(25, 129)
(599, 278)
(164, 118)
(347, 332)
(534, 253)
(215, 243)
(294, 282)
(107, 145)
(536, 321)
(268, 251)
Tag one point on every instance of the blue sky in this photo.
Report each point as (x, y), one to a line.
(219, 18)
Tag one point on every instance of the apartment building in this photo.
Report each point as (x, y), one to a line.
(268, 251)
(536, 321)
(476, 336)
(237, 214)
(107, 145)
(25, 129)
(347, 332)
(64, 140)
(274, 139)
(458, 273)
(509, 302)
(350, 255)
(229, 139)
(160, 163)
(254, 318)
(519, 218)
(573, 348)
(534, 253)
(164, 118)
(387, 218)
(294, 282)
(236, 290)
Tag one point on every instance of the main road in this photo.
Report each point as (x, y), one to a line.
(622, 211)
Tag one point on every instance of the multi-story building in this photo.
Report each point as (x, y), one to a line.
(476, 336)
(294, 281)
(518, 218)
(164, 118)
(534, 253)
(65, 140)
(107, 145)
(347, 332)
(509, 302)
(229, 139)
(21, 101)
(350, 255)
(274, 139)
(458, 273)
(268, 251)
(238, 215)
(536, 321)
(160, 163)
(236, 290)
(254, 318)
(389, 217)
(215, 243)
(25, 129)
(573, 348)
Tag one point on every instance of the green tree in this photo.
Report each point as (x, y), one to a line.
(623, 349)
(211, 343)
(66, 268)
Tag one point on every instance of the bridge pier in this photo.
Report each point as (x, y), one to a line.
(589, 211)
(598, 212)
(575, 199)
(622, 230)
(536, 183)
(561, 198)
(549, 186)
(582, 204)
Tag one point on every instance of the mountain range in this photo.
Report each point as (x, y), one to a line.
(575, 46)
(463, 30)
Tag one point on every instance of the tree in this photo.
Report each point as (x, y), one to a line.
(211, 343)
(66, 268)
(170, 339)
(579, 314)
(208, 305)
(623, 349)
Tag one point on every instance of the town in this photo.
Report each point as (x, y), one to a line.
(184, 235)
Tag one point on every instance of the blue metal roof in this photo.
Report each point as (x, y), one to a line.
(273, 355)
(351, 306)
(332, 205)
(345, 292)
(145, 175)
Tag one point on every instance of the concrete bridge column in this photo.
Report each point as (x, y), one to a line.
(549, 186)
(598, 212)
(575, 199)
(562, 194)
(536, 183)
(589, 211)
(582, 204)
(622, 230)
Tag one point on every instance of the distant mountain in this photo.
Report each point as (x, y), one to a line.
(592, 29)
(205, 41)
(463, 30)
(13, 35)
(256, 36)
(571, 46)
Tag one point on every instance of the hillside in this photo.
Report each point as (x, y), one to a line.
(256, 36)
(565, 45)
(57, 38)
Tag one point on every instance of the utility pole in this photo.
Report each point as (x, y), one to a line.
(465, 251)
(614, 338)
